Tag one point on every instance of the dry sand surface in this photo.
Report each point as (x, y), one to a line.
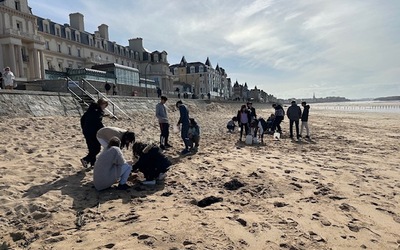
(338, 191)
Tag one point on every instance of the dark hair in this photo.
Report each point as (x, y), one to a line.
(102, 101)
(114, 142)
(192, 122)
(163, 97)
(293, 102)
(137, 149)
(127, 138)
(303, 103)
(274, 105)
(178, 102)
(243, 106)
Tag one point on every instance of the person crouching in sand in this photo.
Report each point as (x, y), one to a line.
(152, 162)
(110, 167)
(105, 134)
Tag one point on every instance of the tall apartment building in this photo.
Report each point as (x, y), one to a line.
(37, 48)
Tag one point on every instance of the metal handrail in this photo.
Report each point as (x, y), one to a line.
(114, 106)
(87, 93)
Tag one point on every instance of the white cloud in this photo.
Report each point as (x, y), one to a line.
(289, 48)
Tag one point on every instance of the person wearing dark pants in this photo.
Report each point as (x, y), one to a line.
(162, 116)
(279, 116)
(184, 120)
(244, 119)
(91, 122)
(294, 115)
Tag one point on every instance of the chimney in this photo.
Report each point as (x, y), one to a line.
(136, 44)
(103, 29)
(76, 21)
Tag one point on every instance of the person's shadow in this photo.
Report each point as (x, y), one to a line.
(84, 194)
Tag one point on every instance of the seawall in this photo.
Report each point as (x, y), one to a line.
(23, 103)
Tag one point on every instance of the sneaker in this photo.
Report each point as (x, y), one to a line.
(168, 145)
(85, 164)
(185, 152)
(161, 176)
(153, 182)
(123, 186)
(307, 137)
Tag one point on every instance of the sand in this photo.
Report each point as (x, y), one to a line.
(338, 191)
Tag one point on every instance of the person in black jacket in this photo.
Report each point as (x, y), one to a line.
(304, 119)
(152, 162)
(244, 119)
(91, 122)
(279, 116)
(252, 111)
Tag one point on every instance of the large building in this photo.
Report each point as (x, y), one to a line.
(201, 79)
(38, 48)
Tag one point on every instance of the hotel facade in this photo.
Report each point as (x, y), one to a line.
(36, 48)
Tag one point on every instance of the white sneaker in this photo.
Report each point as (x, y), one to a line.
(153, 182)
(161, 176)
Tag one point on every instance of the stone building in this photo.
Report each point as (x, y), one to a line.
(201, 78)
(38, 48)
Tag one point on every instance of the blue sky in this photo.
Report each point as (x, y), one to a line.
(290, 48)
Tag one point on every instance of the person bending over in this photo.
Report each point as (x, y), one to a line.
(244, 119)
(111, 167)
(151, 162)
(105, 134)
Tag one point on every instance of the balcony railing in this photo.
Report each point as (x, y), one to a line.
(22, 34)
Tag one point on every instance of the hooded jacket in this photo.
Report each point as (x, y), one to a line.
(306, 111)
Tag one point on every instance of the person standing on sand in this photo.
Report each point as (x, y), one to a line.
(184, 120)
(252, 111)
(91, 122)
(294, 115)
(279, 116)
(105, 134)
(111, 167)
(304, 119)
(8, 78)
(162, 116)
(244, 118)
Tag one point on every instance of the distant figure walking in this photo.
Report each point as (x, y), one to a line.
(91, 122)
(115, 89)
(162, 116)
(111, 167)
(304, 119)
(194, 135)
(107, 87)
(184, 120)
(279, 116)
(159, 92)
(294, 115)
(8, 79)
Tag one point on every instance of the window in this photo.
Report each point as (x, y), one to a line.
(175, 71)
(98, 44)
(69, 51)
(59, 48)
(70, 65)
(47, 45)
(17, 5)
(58, 32)
(192, 69)
(19, 26)
(201, 69)
(79, 52)
(78, 37)
(46, 28)
(68, 35)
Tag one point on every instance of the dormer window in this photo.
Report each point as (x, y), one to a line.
(58, 32)
(17, 5)
(192, 69)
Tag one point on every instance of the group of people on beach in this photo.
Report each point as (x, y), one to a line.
(251, 125)
(110, 165)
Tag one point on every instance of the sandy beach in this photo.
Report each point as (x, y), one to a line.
(341, 190)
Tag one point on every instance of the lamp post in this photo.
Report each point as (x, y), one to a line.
(145, 78)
